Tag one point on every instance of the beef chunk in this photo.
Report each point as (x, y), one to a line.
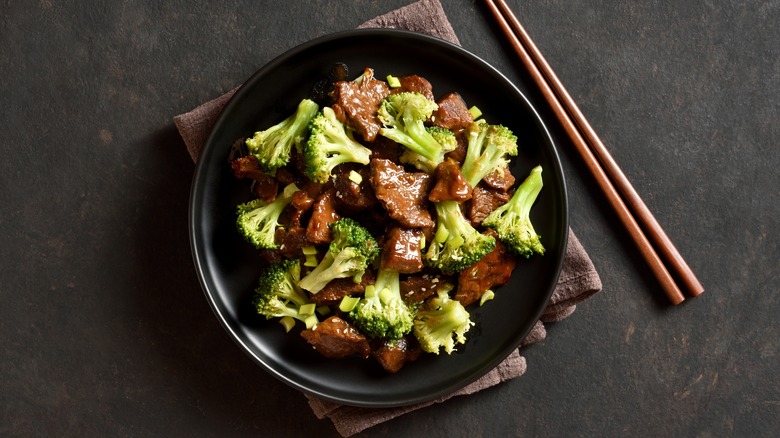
(459, 153)
(402, 194)
(301, 200)
(452, 113)
(336, 338)
(291, 241)
(450, 183)
(337, 289)
(323, 214)
(499, 179)
(247, 167)
(484, 201)
(383, 147)
(401, 250)
(493, 270)
(286, 176)
(293, 214)
(263, 186)
(358, 103)
(351, 197)
(392, 355)
(416, 288)
(415, 84)
(321, 90)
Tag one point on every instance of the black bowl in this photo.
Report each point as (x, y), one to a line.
(228, 267)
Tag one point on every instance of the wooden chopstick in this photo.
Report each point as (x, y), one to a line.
(628, 205)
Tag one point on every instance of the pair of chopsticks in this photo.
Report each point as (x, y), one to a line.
(631, 210)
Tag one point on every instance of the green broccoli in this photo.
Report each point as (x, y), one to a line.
(441, 322)
(272, 147)
(257, 220)
(512, 221)
(403, 117)
(456, 244)
(487, 150)
(444, 137)
(349, 254)
(382, 313)
(278, 296)
(330, 144)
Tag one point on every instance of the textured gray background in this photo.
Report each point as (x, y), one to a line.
(104, 330)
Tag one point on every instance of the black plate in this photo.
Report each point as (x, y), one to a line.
(228, 267)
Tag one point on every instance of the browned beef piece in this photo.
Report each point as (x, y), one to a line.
(263, 186)
(459, 153)
(270, 256)
(291, 240)
(401, 250)
(337, 289)
(301, 200)
(402, 194)
(335, 338)
(415, 84)
(351, 197)
(493, 270)
(294, 214)
(323, 214)
(452, 113)
(484, 201)
(499, 180)
(392, 355)
(450, 183)
(416, 288)
(246, 167)
(383, 147)
(358, 104)
(285, 176)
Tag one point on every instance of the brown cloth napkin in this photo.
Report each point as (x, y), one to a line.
(578, 280)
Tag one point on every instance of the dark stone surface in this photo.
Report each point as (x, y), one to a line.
(104, 330)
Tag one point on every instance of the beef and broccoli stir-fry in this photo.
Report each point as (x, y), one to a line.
(382, 213)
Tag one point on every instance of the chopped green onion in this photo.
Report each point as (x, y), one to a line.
(385, 295)
(475, 112)
(307, 309)
(288, 322)
(370, 291)
(290, 190)
(309, 250)
(487, 296)
(422, 241)
(457, 241)
(311, 261)
(348, 303)
(323, 310)
(441, 235)
(311, 321)
(393, 81)
(355, 177)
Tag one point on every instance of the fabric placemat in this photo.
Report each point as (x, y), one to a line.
(578, 280)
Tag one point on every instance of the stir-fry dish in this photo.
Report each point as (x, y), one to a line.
(382, 213)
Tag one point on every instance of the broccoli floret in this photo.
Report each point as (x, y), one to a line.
(403, 117)
(487, 150)
(272, 147)
(441, 322)
(278, 296)
(257, 220)
(444, 137)
(382, 313)
(349, 254)
(330, 144)
(456, 244)
(512, 221)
